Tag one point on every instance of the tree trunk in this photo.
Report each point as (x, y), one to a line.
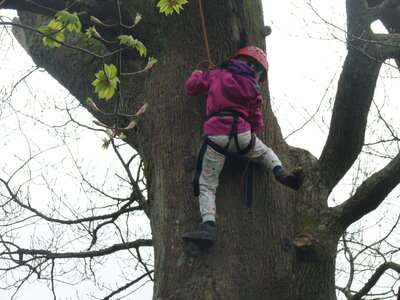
(248, 260)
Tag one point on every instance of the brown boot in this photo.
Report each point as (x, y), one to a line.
(289, 179)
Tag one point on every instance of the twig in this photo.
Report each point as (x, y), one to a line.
(67, 222)
(141, 199)
(316, 111)
(19, 81)
(374, 279)
(139, 258)
(351, 262)
(64, 44)
(85, 254)
(127, 285)
(42, 6)
(119, 63)
(52, 279)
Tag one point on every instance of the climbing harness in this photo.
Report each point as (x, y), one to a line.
(223, 151)
(234, 132)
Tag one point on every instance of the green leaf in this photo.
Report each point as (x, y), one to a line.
(126, 40)
(59, 36)
(106, 143)
(53, 29)
(131, 42)
(92, 32)
(169, 6)
(106, 81)
(140, 47)
(111, 71)
(70, 20)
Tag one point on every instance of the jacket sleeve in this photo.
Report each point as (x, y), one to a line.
(256, 118)
(197, 83)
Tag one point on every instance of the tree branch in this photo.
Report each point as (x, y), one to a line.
(356, 89)
(39, 6)
(114, 215)
(370, 194)
(374, 279)
(388, 12)
(350, 259)
(63, 43)
(129, 284)
(134, 183)
(390, 45)
(86, 254)
(67, 67)
(49, 7)
(382, 10)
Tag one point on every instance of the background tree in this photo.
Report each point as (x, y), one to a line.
(51, 201)
(261, 265)
(304, 111)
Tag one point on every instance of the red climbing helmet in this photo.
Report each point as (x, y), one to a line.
(258, 55)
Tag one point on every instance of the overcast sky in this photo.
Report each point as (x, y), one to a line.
(305, 57)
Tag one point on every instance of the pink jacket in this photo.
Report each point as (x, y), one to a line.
(233, 88)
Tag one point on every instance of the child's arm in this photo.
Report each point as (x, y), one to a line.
(197, 83)
(256, 119)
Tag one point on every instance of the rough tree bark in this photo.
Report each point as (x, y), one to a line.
(252, 258)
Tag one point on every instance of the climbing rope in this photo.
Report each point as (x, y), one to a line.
(203, 25)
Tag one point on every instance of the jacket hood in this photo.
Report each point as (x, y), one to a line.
(241, 68)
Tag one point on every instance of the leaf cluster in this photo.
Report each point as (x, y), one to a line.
(169, 6)
(54, 31)
(107, 79)
(71, 21)
(129, 41)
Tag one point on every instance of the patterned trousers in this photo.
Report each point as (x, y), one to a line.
(214, 161)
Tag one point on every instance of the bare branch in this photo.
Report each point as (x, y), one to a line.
(390, 45)
(374, 279)
(354, 96)
(63, 43)
(370, 194)
(34, 6)
(350, 258)
(123, 288)
(41, 260)
(52, 280)
(123, 210)
(135, 186)
(22, 79)
(37, 253)
(49, 7)
(388, 14)
(349, 119)
(381, 9)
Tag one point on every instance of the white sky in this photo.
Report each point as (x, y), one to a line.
(305, 58)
